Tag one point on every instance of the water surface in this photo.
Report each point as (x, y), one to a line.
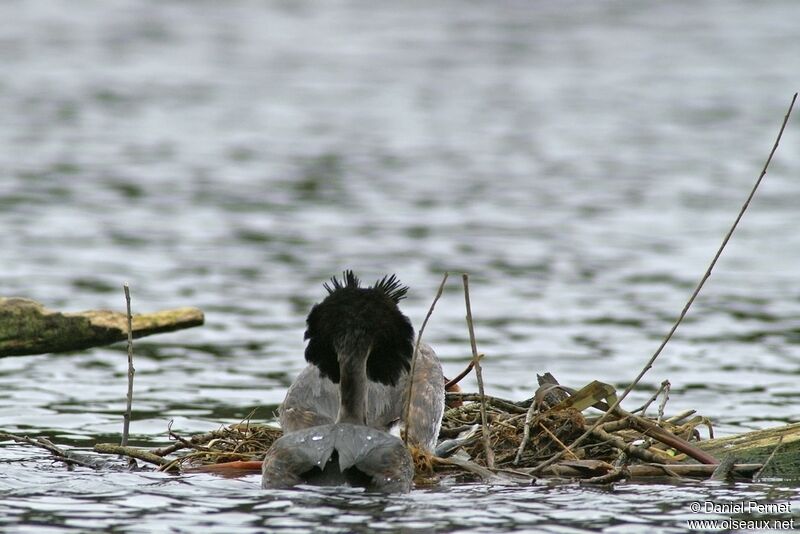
(581, 161)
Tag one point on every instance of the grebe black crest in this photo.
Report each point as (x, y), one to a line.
(359, 319)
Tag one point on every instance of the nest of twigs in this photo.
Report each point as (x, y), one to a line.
(240, 442)
(522, 436)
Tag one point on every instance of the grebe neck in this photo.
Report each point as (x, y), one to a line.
(352, 389)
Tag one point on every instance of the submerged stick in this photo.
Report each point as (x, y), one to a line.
(407, 405)
(689, 303)
(478, 375)
(126, 418)
(48, 445)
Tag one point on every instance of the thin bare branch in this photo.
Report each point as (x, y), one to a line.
(126, 424)
(689, 303)
(409, 386)
(478, 374)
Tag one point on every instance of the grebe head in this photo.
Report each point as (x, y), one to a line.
(354, 324)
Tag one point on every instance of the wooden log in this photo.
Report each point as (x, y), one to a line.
(27, 327)
(689, 470)
(757, 446)
(594, 468)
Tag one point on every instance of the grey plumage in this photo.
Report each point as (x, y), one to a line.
(336, 413)
(313, 400)
(337, 454)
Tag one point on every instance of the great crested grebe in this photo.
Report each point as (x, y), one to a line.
(335, 414)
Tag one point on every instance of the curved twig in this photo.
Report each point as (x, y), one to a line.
(453, 381)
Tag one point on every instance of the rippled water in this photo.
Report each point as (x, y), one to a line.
(580, 160)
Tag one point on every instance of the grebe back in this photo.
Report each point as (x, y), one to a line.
(356, 337)
(313, 398)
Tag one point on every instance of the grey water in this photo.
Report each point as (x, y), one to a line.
(581, 160)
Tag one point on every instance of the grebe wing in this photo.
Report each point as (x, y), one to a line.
(427, 400)
(313, 400)
(310, 401)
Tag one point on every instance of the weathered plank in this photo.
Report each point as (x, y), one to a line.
(27, 327)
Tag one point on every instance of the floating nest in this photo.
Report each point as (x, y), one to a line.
(234, 443)
(524, 441)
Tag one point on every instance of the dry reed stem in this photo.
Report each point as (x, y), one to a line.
(652, 430)
(689, 303)
(558, 441)
(478, 374)
(126, 418)
(526, 433)
(407, 405)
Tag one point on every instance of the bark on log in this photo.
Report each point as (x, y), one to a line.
(756, 447)
(27, 327)
(576, 470)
